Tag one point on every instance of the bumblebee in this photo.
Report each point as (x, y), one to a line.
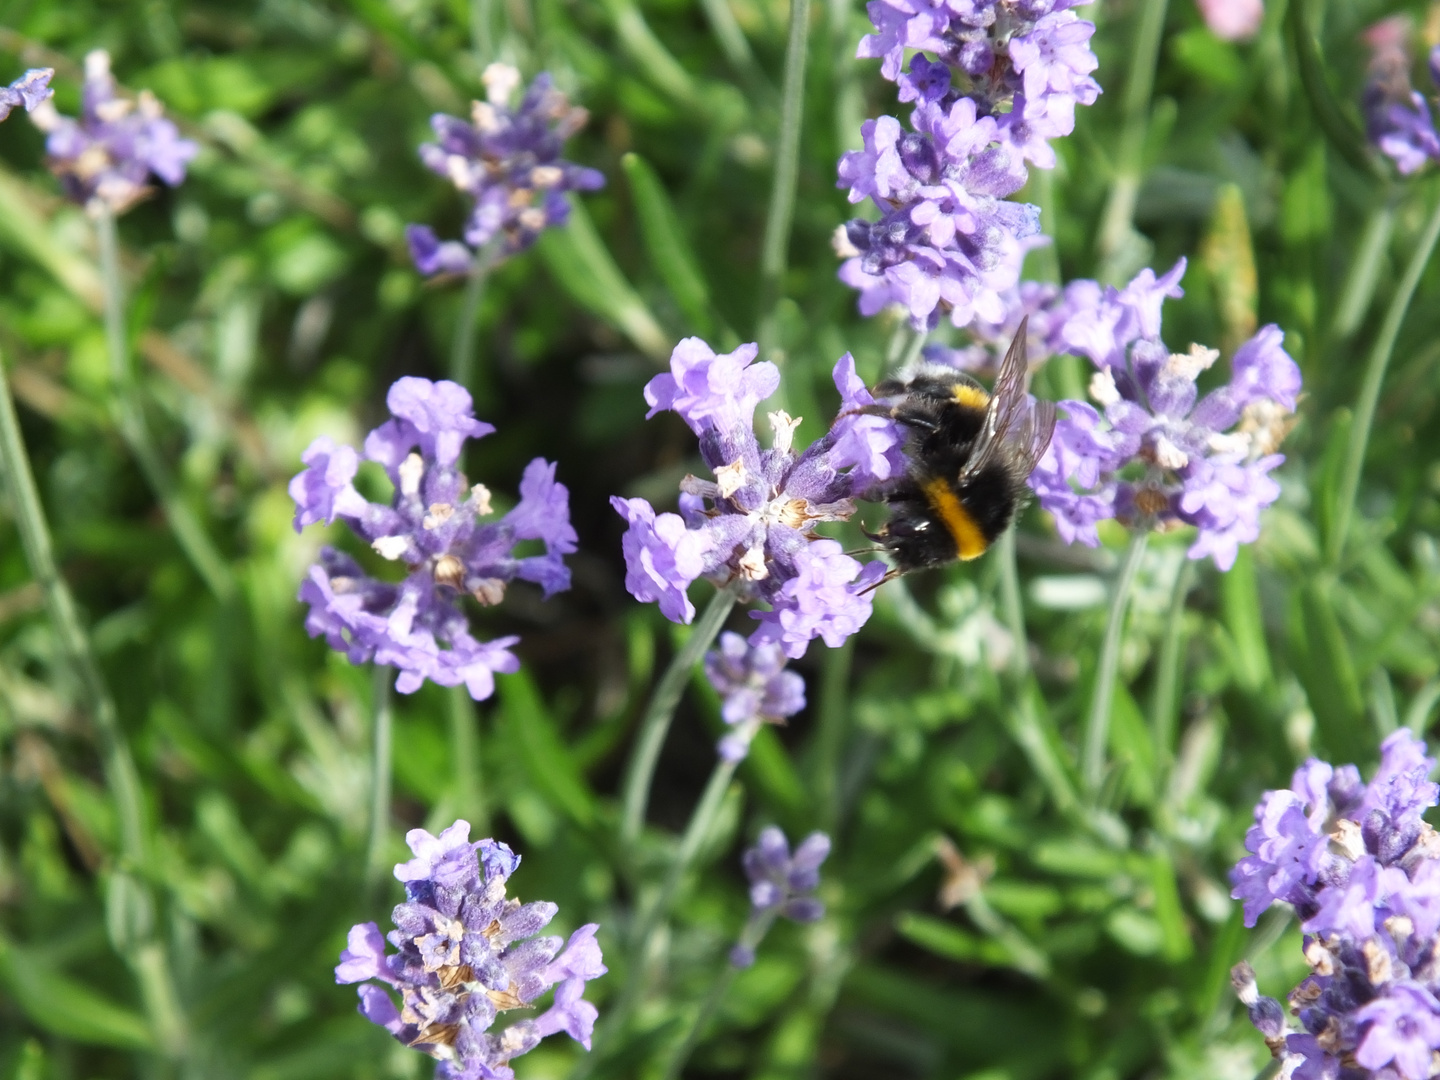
(970, 453)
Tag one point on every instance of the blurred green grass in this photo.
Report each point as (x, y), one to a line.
(272, 300)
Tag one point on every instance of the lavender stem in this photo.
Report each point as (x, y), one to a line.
(130, 419)
(382, 725)
(756, 927)
(655, 725)
(462, 349)
(1164, 703)
(1375, 367)
(1097, 723)
(776, 242)
(144, 953)
(1116, 222)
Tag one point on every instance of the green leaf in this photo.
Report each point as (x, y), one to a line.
(1135, 931)
(1328, 675)
(581, 263)
(770, 769)
(546, 759)
(1240, 594)
(195, 85)
(1175, 934)
(665, 243)
(1130, 743)
(950, 941)
(68, 1008)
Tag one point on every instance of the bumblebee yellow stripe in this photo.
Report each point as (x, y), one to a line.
(972, 396)
(970, 542)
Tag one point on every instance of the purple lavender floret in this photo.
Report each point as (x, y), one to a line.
(752, 527)
(1362, 870)
(1159, 455)
(946, 238)
(466, 953)
(1397, 116)
(29, 90)
(1027, 64)
(754, 689)
(110, 152)
(433, 525)
(786, 883)
(507, 160)
(990, 340)
(1005, 79)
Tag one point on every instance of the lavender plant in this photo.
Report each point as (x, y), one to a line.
(751, 529)
(1030, 765)
(29, 90)
(1360, 867)
(1161, 455)
(1397, 116)
(105, 157)
(468, 952)
(754, 687)
(433, 527)
(1005, 81)
(507, 160)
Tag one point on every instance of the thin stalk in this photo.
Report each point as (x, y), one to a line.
(1045, 259)
(482, 23)
(1359, 288)
(146, 956)
(130, 419)
(913, 350)
(655, 724)
(150, 965)
(756, 927)
(1375, 367)
(776, 241)
(1012, 606)
(731, 40)
(1167, 674)
(462, 347)
(1097, 723)
(382, 732)
(708, 1008)
(701, 822)
(653, 916)
(120, 773)
(465, 749)
(833, 725)
(1115, 224)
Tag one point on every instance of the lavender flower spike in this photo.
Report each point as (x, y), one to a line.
(780, 884)
(1397, 117)
(507, 160)
(433, 525)
(466, 953)
(754, 689)
(753, 525)
(1362, 870)
(1025, 64)
(28, 90)
(945, 239)
(1159, 455)
(108, 155)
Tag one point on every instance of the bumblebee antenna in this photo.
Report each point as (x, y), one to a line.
(865, 551)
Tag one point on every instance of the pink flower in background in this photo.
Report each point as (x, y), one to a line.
(1232, 20)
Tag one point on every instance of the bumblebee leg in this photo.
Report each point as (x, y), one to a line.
(890, 575)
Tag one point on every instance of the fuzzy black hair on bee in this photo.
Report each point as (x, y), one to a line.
(970, 452)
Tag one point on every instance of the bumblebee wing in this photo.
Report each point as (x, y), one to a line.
(1034, 437)
(1009, 416)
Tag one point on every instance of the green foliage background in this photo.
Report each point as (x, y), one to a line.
(272, 300)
